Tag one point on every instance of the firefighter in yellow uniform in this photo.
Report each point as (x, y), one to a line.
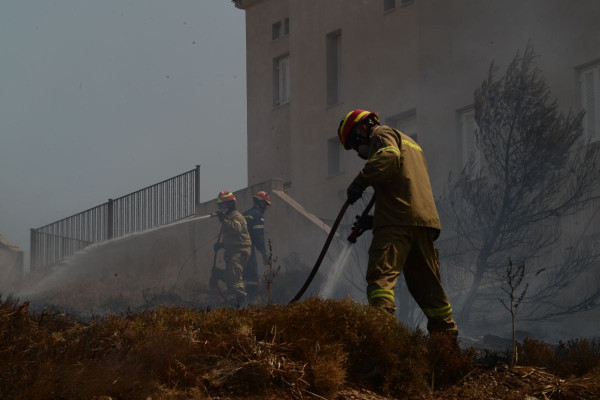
(237, 245)
(406, 221)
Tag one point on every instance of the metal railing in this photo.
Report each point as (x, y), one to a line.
(160, 204)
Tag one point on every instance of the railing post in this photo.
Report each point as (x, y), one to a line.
(109, 225)
(32, 250)
(197, 188)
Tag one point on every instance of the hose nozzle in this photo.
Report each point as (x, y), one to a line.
(354, 234)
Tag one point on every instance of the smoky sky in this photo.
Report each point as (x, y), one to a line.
(101, 98)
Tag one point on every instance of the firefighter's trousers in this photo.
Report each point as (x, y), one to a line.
(235, 261)
(408, 249)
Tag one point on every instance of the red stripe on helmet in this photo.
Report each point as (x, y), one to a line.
(224, 196)
(350, 121)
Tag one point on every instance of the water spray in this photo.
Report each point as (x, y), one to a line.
(356, 232)
(194, 252)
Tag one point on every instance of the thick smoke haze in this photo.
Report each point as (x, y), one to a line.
(99, 99)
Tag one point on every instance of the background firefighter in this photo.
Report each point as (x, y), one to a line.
(406, 221)
(256, 227)
(236, 243)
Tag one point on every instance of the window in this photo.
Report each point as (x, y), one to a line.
(276, 30)
(469, 128)
(405, 123)
(334, 156)
(590, 101)
(334, 68)
(281, 80)
(389, 5)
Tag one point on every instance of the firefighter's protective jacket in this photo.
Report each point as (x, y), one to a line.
(397, 171)
(256, 227)
(235, 232)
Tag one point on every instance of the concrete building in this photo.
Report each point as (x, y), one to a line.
(415, 62)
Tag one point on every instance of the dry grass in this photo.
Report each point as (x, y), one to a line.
(312, 346)
(315, 348)
(519, 383)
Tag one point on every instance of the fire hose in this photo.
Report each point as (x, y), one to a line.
(356, 232)
(216, 274)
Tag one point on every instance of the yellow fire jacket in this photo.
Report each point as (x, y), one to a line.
(397, 171)
(235, 232)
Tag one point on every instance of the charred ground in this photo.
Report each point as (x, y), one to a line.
(312, 349)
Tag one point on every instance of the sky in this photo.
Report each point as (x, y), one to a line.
(102, 98)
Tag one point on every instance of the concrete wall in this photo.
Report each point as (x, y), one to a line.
(426, 57)
(11, 266)
(457, 42)
(172, 264)
(269, 151)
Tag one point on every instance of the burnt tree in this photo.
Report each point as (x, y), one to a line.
(531, 169)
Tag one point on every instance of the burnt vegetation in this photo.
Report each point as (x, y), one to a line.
(312, 349)
(532, 174)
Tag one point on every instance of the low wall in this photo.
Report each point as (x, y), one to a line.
(290, 228)
(11, 265)
(172, 264)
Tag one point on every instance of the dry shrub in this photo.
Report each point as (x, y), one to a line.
(536, 353)
(381, 353)
(577, 357)
(447, 361)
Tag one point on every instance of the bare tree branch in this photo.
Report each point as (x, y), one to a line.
(535, 172)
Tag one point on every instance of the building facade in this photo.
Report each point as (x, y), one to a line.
(416, 63)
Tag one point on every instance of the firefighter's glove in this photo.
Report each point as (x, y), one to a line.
(220, 214)
(364, 223)
(217, 246)
(354, 192)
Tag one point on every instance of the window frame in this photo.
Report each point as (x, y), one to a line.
(590, 87)
(389, 6)
(276, 30)
(281, 81)
(333, 68)
(286, 26)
